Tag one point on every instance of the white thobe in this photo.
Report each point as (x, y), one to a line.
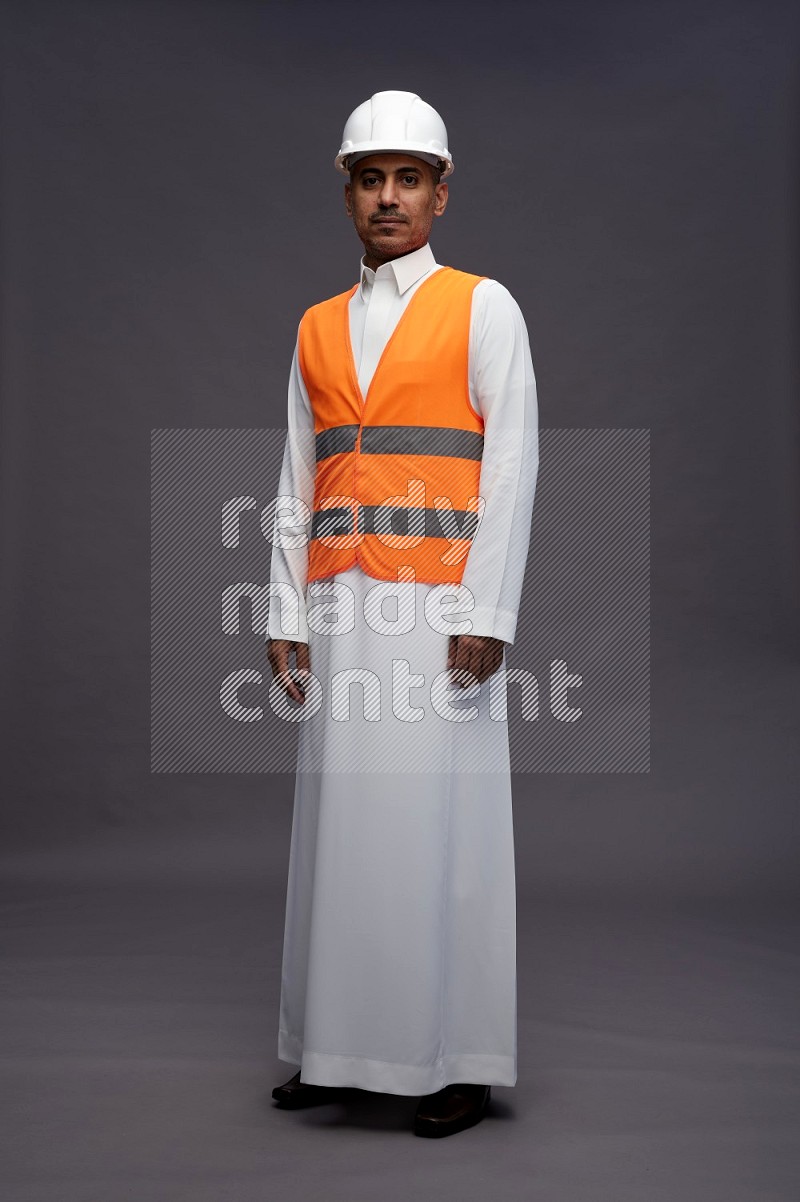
(399, 956)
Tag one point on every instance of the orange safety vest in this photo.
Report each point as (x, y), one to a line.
(397, 471)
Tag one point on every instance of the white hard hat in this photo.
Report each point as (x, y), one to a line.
(395, 121)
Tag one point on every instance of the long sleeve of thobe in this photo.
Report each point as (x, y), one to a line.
(292, 525)
(503, 386)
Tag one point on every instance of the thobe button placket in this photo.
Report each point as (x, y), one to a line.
(379, 308)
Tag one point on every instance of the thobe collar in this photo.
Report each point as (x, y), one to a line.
(406, 270)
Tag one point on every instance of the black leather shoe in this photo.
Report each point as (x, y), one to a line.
(452, 1109)
(296, 1093)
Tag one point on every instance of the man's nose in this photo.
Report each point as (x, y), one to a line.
(388, 193)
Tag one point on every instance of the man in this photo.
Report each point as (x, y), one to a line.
(412, 391)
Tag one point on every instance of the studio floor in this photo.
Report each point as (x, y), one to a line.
(658, 1046)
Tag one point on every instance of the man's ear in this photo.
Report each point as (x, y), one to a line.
(441, 199)
(347, 202)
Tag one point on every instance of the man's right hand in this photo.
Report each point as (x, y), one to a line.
(278, 652)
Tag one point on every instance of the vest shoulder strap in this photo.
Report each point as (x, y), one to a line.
(324, 308)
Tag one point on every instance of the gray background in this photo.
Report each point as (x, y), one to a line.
(169, 207)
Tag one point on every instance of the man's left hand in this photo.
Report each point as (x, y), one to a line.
(474, 653)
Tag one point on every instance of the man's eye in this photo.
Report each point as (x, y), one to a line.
(413, 178)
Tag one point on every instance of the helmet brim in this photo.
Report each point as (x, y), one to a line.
(417, 149)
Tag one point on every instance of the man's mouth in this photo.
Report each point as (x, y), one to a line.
(388, 220)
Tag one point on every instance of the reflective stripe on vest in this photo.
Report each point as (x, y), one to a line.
(413, 444)
(401, 440)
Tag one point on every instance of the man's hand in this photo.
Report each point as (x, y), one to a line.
(474, 653)
(278, 652)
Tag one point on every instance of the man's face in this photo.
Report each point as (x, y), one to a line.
(393, 199)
